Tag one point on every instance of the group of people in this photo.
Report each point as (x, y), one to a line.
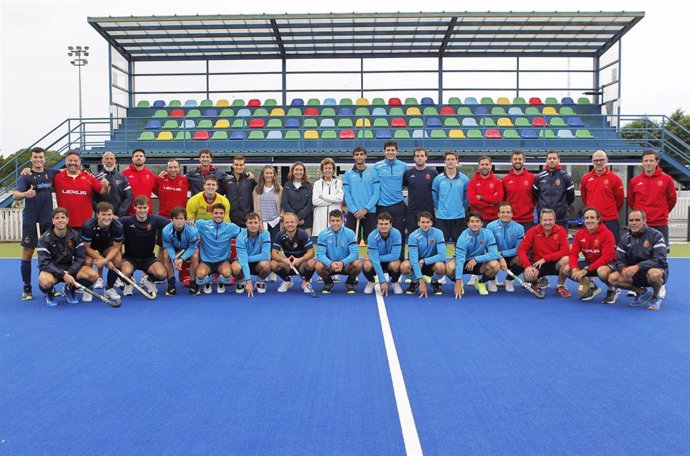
(229, 227)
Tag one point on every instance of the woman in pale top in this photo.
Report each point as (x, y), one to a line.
(267, 197)
(327, 194)
(297, 196)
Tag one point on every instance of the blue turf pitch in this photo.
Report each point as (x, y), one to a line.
(286, 374)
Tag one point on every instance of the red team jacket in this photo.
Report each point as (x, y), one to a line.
(171, 193)
(598, 248)
(75, 194)
(491, 191)
(603, 192)
(537, 245)
(142, 183)
(518, 192)
(655, 195)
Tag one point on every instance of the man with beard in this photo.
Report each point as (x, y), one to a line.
(292, 247)
(120, 194)
(509, 234)
(517, 187)
(485, 191)
(171, 188)
(418, 180)
(603, 190)
(361, 190)
(205, 168)
(141, 179)
(553, 189)
(239, 186)
(74, 189)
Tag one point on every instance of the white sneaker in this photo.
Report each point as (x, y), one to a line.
(271, 277)
(208, 289)
(260, 286)
(472, 281)
(128, 290)
(369, 289)
(99, 283)
(239, 288)
(397, 289)
(150, 286)
(662, 292)
(491, 286)
(144, 279)
(119, 283)
(110, 293)
(510, 287)
(305, 289)
(86, 297)
(287, 284)
(220, 288)
(442, 280)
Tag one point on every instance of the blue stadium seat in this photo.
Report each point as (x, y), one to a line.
(433, 122)
(329, 102)
(158, 104)
(188, 124)
(327, 123)
(383, 134)
(515, 111)
(190, 104)
(565, 134)
(469, 122)
(153, 125)
(419, 134)
(379, 111)
(274, 134)
(427, 101)
(296, 102)
(567, 101)
(244, 112)
(471, 101)
(237, 134)
(345, 111)
(528, 133)
(211, 112)
(292, 123)
(481, 111)
(575, 122)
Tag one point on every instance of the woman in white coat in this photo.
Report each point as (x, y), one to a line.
(327, 194)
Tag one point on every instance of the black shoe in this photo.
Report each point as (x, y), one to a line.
(327, 288)
(412, 289)
(27, 295)
(194, 289)
(436, 288)
(171, 290)
(350, 288)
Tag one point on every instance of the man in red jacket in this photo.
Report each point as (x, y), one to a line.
(598, 246)
(544, 251)
(603, 189)
(171, 188)
(517, 186)
(653, 192)
(485, 191)
(141, 179)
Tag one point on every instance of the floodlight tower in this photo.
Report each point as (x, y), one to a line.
(78, 53)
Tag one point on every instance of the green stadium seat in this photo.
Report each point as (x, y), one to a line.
(239, 123)
(260, 112)
(274, 123)
(456, 134)
(206, 104)
(415, 122)
(550, 101)
(464, 111)
(291, 135)
(313, 102)
(311, 134)
(219, 135)
(567, 111)
(411, 101)
(310, 123)
(583, 134)
(237, 103)
(396, 111)
(557, 122)
(328, 112)
(487, 122)
(438, 134)
(227, 112)
(223, 103)
(183, 136)
(193, 113)
(171, 124)
(511, 134)
(545, 133)
(164, 136)
(329, 134)
(365, 134)
(449, 122)
(532, 111)
(345, 102)
(522, 122)
(401, 134)
(498, 111)
(270, 102)
(487, 101)
(292, 112)
(256, 134)
(455, 101)
(430, 111)
(204, 123)
(345, 123)
(583, 101)
(378, 101)
(175, 104)
(362, 111)
(519, 101)
(380, 122)
(147, 136)
(474, 134)
(160, 114)
(143, 104)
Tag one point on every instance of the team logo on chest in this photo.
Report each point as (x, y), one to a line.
(558, 182)
(491, 185)
(646, 244)
(525, 183)
(148, 227)
(596, 243)
(659, 183)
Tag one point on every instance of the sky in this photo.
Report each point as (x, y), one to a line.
(39, 87)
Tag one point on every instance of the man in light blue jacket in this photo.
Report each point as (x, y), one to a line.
(509, 234)
(361, 190)
(449, 192)
(427, 256)
(337, 252)
(384, 246)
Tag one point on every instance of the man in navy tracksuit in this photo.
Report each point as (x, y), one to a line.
(509, 234)
(553, 189)
(391, 171)
(361, 191)
(418, 180)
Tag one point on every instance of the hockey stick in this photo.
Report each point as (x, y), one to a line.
(357, 231)
(539, 293)
(134, 284)
(103, 298)
(305, 282)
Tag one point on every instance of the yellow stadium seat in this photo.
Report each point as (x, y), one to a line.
(164, 136)
(550, 111)
(222, 103)
(311, 134)
(222, 123)
(277, 112)
(456, 134)
(413, 111)
(503, 101)
(504, 122)
(362, 102)
(362, 123)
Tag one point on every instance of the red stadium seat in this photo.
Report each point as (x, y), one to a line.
(176, 113)
(257, 123)
(398, 122)
(311, 111)
(539, 122)
(254, 103)
(535, 101)
(394, 101)
(447, 111)
(201, 135)
(347, 134)
(492, 134)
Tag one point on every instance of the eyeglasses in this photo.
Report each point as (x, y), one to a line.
(599, 160)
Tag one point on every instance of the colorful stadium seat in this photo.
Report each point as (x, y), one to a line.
(222, 123)
(257, 123)
(330, 102)
(427, 101)
(411, 101)
(291, 135)
(211, 112)
(239, 123)
(164, 136)
(175, 104)
(474, 134)
(205, 123)
(365, 134)
(549, 111)
(190, 104)
(223, 103)
(183, 136)
(583, 101)
(244, 112)
(146, 136)
(200, 135)
(206, 104)
(447, 111)
(515, 111)
(401, 134)
(362, 111)
(328, 112)
(504, 122)
(498, 111)
(487, 101)
(313, 102)
(487, 122)
(415, 122)
(345, 111)
(510, 134)
(557, 122)
(193, 114)
(219, 135)
(345, 102)
(419, 134)
(311, 134)
(362, 122)
(456, 134)
(227, 112)
(564, 133)
(159, 114)
(398, 122)
(329, 134)
(583, 134)
(503, 101)
(275, 134)
(177, 113)
(545, 133)
(469, 122)
(574, 122)
(430, 111)
(438, 134)
(550, 101)
(454, 101)
(274, 123)
(297, 102)
(260, 112)
(254, 103)
(310, 123)
(158, 104)
(378, 101)
(345, 122)
(347, 134)
(433, 122)
(492, 133)
(539, 122)
(522, 122)
(528, 133)
(519, 101)
(450, 122)
(170, 124)
(383, 134)
(567, 111)
(532, 111)
(153, 125)
(256, 134)
(413, 111)
(188, 124)
(327, 123)
(236, 103)
(380, 122)
(465, 111)
(481, 111)
(237, 135)
(294, 112)
(270, 102)
(396, 111)
(291, 123)
(379, 111)
(143, 104)
(394, 101)
(535, 101)
(311, 111)
(471, 101)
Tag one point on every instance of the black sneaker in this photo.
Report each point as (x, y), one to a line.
(611, 295)
(171, 290)
(327, 288)
(436, 288)
(350, 288)
(194, 289)
(412, 289)
(27, 294)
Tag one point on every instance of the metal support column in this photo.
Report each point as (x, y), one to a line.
(208, 80)
(283, 81)
(595, 81)
(517, 76)
(361, 78)
(440, 80)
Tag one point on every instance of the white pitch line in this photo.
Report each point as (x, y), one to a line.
(409, 429)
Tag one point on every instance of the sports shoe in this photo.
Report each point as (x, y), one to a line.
(240, 287)
(472, 281)
(150, 286)
(27, 294)
(492, 286)
(543, 282)
(220, 288)
(662, 292)
(563, 291)
(261, 287)
(70, 294)
(327, 287)
(336, 278)
(436, 288)
(271, 277)
(412, 289)
(194, 289)
(397, 289)
(641, 299)
(631, 294)
(110, 293)
(305, 289)
(369, 289)
(99, 283)
(86, 297)
(611, 296)
(144, 279)
(50, 300)
(655, 303)
(119, 283)
(509, 286)
(350, 288)
(208, 288)
(442, 280)
(591, 293)
(128, 290)
(170, 290)
(481, 288)
(285, 286)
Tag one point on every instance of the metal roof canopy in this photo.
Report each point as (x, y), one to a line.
(365, 35)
